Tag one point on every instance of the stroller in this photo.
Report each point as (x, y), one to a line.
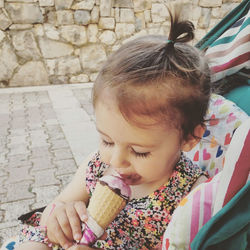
(216, 214)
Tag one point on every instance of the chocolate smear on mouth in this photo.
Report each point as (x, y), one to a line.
(116, 190)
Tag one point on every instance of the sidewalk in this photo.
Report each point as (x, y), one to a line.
(45, 133)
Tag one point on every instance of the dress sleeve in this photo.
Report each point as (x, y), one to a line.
(94, 171)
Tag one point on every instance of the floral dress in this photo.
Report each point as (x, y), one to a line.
(141, 224)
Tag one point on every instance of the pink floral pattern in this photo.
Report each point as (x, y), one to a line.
(141, 224)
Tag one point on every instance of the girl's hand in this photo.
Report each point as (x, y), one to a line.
(64, 223)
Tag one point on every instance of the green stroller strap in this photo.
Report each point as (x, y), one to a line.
(223, 25)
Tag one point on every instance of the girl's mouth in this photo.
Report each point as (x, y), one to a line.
(131, 179)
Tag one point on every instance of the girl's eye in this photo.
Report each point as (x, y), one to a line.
(107, 144)
(142, 155)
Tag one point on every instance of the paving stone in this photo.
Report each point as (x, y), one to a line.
(18, 125)
(2, 214)
(18, 160)
(44, 195)
(61, 154)
(3, 179)
(19, 174)
(58, 144)
(40, 152)
(18, 112)
(5, 233)
(45, 178)
(65, 167)
(41, 163)
(19, 132)
(17, 139)
(14, 209)
(19, 149)
(18, 191)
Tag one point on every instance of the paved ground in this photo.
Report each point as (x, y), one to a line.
(45, 133)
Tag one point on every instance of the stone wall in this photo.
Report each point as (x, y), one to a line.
(65, 41)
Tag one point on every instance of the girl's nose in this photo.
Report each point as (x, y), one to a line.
(119, 159)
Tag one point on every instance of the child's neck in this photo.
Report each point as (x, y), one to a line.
(145, 189)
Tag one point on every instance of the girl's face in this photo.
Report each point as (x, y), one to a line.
(139, 155)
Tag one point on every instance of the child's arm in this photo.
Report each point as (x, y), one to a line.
(64, 215)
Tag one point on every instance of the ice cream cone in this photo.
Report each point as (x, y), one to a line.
(108, 199)
(111, 205)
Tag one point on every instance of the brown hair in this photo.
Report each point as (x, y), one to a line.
(163, 78)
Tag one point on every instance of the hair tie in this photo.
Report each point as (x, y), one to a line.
(170, 41)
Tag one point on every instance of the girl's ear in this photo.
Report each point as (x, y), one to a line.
(191, 141)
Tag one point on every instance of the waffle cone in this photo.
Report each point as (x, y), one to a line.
(105, 205)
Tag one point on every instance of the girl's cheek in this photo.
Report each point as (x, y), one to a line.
(105, 154)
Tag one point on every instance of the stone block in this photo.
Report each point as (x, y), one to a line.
(95, 13)
(20, 26)
(159, 12)
(123, 4)
(141, 5)
(127, 16)
(8, 61)
(107, 23)
(69, 66)
(140, 21)
(82, 17)
(204, 19)
(24, 12)
(51, 66)
(92, 57)
(79, 79)
(53, 49)
(74, 34)
(108, 37)
(25, 45)
(63, 4)
(105, 7)
(123, 30)
(92, 32)
(51, 31)
(5, 21)
(38, 30)
(31, 73)
(117, 14)
(2, 36)
(51, 17)
(222, 11)
(147, 15)
(45, 3)
(65, 17)
(84, 5)
(210, 3)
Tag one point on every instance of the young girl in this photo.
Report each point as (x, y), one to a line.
(150, 99)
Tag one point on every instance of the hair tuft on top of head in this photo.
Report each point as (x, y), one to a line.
(180, 31)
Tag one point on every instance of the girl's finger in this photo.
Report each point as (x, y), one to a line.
(81, 210)
(75, 222)
(57, 236)
(64, 223)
